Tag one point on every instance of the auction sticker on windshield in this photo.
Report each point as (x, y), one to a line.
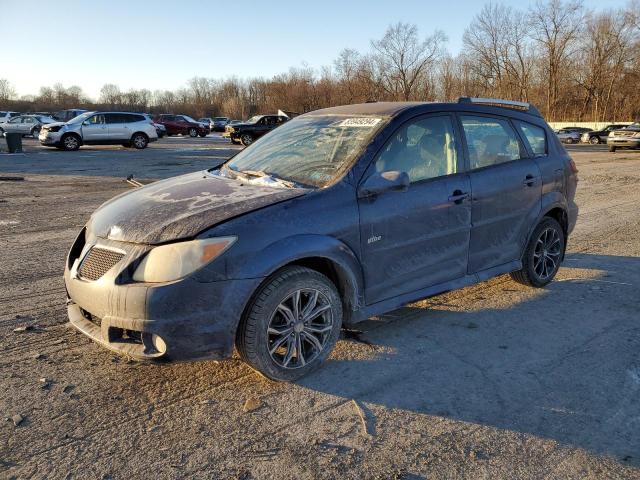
(360, 122)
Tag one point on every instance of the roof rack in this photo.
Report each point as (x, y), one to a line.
(497, 102)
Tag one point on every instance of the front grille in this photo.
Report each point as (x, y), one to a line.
(98, 262)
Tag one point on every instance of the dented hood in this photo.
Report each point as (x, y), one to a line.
(181, 207)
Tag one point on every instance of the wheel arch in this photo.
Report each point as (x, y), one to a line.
(326, 255)
(556, 208)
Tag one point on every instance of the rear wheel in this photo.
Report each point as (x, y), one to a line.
(594, 140)
(541, 259)
(292, 324)
(203, 134)
(139, 141)
(71, 142)
(569, 140)
(193, 132)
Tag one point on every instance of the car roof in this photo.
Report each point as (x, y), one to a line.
(370, 108)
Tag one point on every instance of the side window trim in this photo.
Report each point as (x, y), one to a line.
(460, 163)
(522, 146)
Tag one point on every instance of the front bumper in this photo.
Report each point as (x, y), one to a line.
(181, 320)
(626, 142)
(49, 138)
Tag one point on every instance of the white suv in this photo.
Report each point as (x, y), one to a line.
(100, 128)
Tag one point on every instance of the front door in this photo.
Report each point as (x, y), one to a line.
(94, 129)
(506, 189)
(419, 238)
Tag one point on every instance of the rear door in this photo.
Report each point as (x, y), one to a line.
(419, 238)
(118, 129)
(506, 190)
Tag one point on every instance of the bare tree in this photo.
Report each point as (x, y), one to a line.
(402, 60)
(555, 27)
(7, 92)
(110, 94)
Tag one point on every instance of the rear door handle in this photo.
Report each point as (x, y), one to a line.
(529, 180)
(458, 197)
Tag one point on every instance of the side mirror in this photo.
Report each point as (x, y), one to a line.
(392, 181)
(86, 122)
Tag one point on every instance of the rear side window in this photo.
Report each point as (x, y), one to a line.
(491, 141)
(424, 149)
(536, 136)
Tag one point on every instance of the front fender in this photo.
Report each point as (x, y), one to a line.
(301, 247)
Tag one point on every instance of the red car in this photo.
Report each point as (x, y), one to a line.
(182, 125)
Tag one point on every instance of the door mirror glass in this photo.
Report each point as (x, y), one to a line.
(381, 182)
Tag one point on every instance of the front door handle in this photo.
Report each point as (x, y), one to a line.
(529, 180)
(458, 197)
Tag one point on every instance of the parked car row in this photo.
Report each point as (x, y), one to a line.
(587, 135)
(247, 132)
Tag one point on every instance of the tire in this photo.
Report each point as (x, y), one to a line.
(569, 140)
(193, 132)
(612, 149)
(548, 240)
(594, 140)
(139, 141)
(260, 340)
(35, 132)
(246, 139)
(70, 142)
(202, 135)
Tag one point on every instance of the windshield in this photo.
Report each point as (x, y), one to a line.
(189, 119)
(220, 119)
(255, 119)
(310, 150)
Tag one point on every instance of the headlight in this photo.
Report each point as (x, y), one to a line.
(611, 134)
(176, 260)
(636, 135)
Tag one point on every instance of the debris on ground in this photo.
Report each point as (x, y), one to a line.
(5, 178)
(24, 328)
(17, 419)
(68, 388)
(251, 404)
(366, 431)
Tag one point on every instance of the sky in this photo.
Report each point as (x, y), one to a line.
(160, 44)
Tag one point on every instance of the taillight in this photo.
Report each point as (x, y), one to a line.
(572, 164)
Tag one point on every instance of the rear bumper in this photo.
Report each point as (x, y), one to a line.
(626, 142)
(182, 320)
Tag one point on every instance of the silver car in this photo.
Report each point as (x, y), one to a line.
(100, 128)
(25, 124)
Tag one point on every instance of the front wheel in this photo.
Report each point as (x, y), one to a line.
(595, 140)
(569, 140)
(193, 132)
(246, 139)
(71, 142)
(203, 134)
(292, 324)
(541, 259)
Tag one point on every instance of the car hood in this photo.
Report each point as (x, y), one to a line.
(240, 125)
(55, 124)
(181, 207)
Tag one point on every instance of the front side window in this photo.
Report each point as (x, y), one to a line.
(491, 141)
(423, 149)
(96, 120)
(536, 137)
(16, 120)
(310, 150)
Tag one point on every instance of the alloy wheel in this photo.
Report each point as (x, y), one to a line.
(547, 253)
(594, 140)
(299, 328)
(139, 141)
(193, 132)
(246, 139)
(71, 142)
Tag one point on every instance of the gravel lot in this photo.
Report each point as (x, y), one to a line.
(493, 381)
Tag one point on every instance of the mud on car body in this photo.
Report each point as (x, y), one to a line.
(338, 215)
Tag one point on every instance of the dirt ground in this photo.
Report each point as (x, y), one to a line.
(493, 381)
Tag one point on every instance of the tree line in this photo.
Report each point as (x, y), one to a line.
(575, 64)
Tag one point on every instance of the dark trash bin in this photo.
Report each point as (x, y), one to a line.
(14, 142)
